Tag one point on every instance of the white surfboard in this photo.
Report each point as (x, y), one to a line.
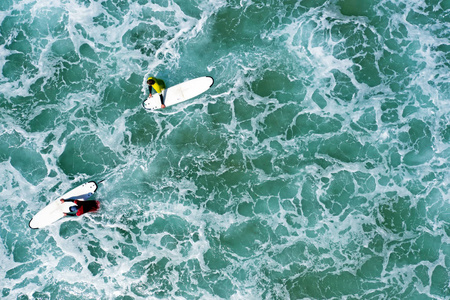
(179, 93)
(55, 210)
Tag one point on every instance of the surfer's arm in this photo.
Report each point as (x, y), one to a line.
(150, 91)
(69, 200)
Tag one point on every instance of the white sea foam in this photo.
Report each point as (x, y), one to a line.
(241, 193)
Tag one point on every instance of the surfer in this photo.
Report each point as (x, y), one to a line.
(158, 85)
(78, 209)
(73, 210)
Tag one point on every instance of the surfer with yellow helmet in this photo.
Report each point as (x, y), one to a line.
(158, 85)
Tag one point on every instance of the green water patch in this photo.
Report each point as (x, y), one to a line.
(372, 268)
(191, 279)
(355, 8)
(20, 270)
(20, 250)
(169, 242)
(245, 239)
(122, 94)
(319, 99)
(158, 279)
(436, 208)
(196, 136)
(360, 44)
(222, 287)
(324, 285)
(45, 120)
(88, 52)
(232, 28)
(398, 215)
(177, 227)
(265, 163)
(236, 173)
(95, 249)
(422, 273)
(145, 38)
(65, 263)
(244, 112)
(365, 70)
(440, 281)
(191, 9)
(418, 18)
(8, 143)
(340, 193)
(24, 158)
(366, 182)
(298, 252)
(9, 25)
(95, 268)
(30, 164)
(69, 228)
(346, 148)
(65, 49)
(161, 164)
(309, 207)
(276, 83)
(215, 259)
(277, 122)
(19, 43)
(219, 113)
(368, 120)
(390, 111)
(6, 5)
(344, 88)
(117, 9)
(16, 65)
(309, 123)
(47, 91)
(138, 269)
(278, 188)
(143, 129)
(48, 22)
(310, 3)
(420, 139)
(71, 75)
(64, 290)
(87, 154)
(129, 251)
(398, 66)
(425, 247)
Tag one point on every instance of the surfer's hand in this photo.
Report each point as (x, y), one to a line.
(62, 200)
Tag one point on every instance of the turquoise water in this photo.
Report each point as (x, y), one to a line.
(316, 167)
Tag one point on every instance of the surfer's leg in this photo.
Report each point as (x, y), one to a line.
(162, 100)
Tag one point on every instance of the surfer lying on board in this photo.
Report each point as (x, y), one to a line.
(81, 207)
(158, 85)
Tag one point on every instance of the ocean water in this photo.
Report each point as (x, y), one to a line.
(316, 167)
